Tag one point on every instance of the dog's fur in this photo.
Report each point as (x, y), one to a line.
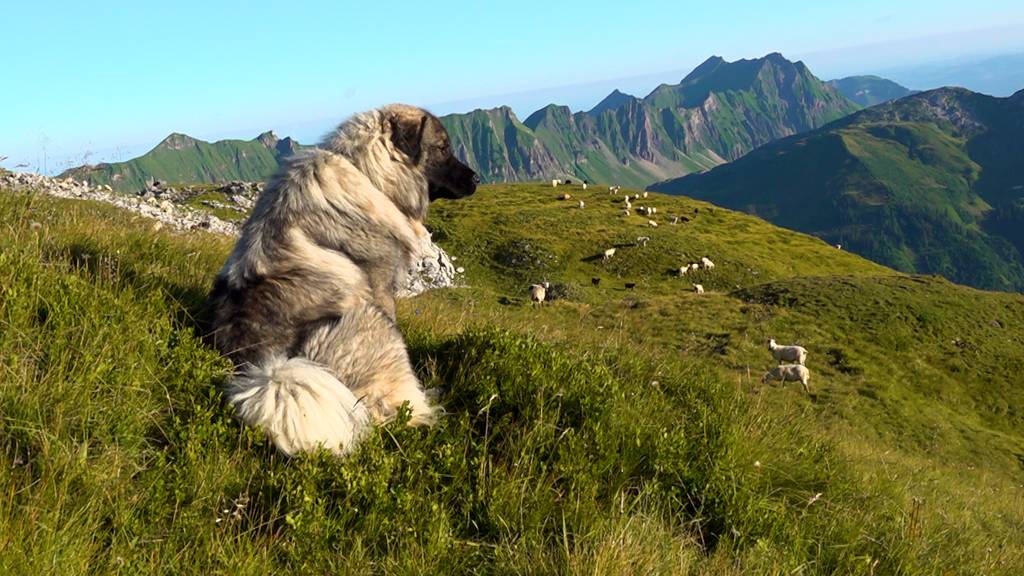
(305, 304)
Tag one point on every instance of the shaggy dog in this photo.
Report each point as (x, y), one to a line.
(305, 304)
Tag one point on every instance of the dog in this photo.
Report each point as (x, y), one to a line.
(304, 306)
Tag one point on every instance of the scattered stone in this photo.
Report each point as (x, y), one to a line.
(434, 268)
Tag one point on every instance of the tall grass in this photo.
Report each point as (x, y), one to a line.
(552, 458)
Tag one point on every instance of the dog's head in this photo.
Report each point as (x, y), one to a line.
(424, 142)
(405, 152)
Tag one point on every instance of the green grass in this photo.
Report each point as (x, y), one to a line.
(671, 132)
(897, 183)
(180, 158)
(869, 90)
(610, 432)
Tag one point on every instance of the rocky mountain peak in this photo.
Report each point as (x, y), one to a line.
(177, 141)
(268, 139)
(612, 101)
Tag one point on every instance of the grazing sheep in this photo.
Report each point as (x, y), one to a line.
(538, 292)
(627, 204)
(642, 240)
(706, 262)
(584, 184)
(674, 220)
(568, 181)
(554, 183)
(698, 288)
(652, 223)
(796, 354)
(839, 246)
(636, 196)
(630, 285)
(790, 373)
(641, 210)
(645, 193)
(614, 188)
(565, 196)
(683, 270)
(582, 204)
(625, 212)
(595, 281)
(608, 254)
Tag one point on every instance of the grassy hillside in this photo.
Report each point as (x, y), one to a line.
(609, 431)
(181, 158)
(929, 183)
(869, 90)
(719, 112)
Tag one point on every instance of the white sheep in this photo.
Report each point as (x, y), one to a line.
(625, 212)
(645, 194)
(839, 246)
(796, 354)
(582, 205)
(627, 204)
(706, 262)
(608, 254)
(554, 183)
(538, 292)
(636, 196)
(698, 288)
(584, 185)
(789, 373)
(642, 240)
(684, 269)
(565, 196)
(694, 266)
(652, 210)
(652, 223)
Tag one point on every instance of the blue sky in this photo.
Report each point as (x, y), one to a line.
(115, 77)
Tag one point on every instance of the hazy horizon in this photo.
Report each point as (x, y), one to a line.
(118, 115)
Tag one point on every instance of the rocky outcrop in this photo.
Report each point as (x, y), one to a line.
(433, 269)
(165, 205)
(719, 112)
(163, 210)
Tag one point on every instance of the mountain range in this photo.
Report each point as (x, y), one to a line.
(930, 183)
(182, 159)
(717, 113)
(870, 90)
(922, 182)
(996, 75)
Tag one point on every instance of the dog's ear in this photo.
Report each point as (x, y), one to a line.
(407, 134)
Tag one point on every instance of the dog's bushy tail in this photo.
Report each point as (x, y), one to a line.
(300, 405)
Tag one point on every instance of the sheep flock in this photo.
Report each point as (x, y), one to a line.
(791, 359)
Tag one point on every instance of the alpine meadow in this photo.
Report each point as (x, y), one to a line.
(522, 288)
(607, 431)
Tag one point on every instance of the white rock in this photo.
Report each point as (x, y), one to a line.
(434, 268)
